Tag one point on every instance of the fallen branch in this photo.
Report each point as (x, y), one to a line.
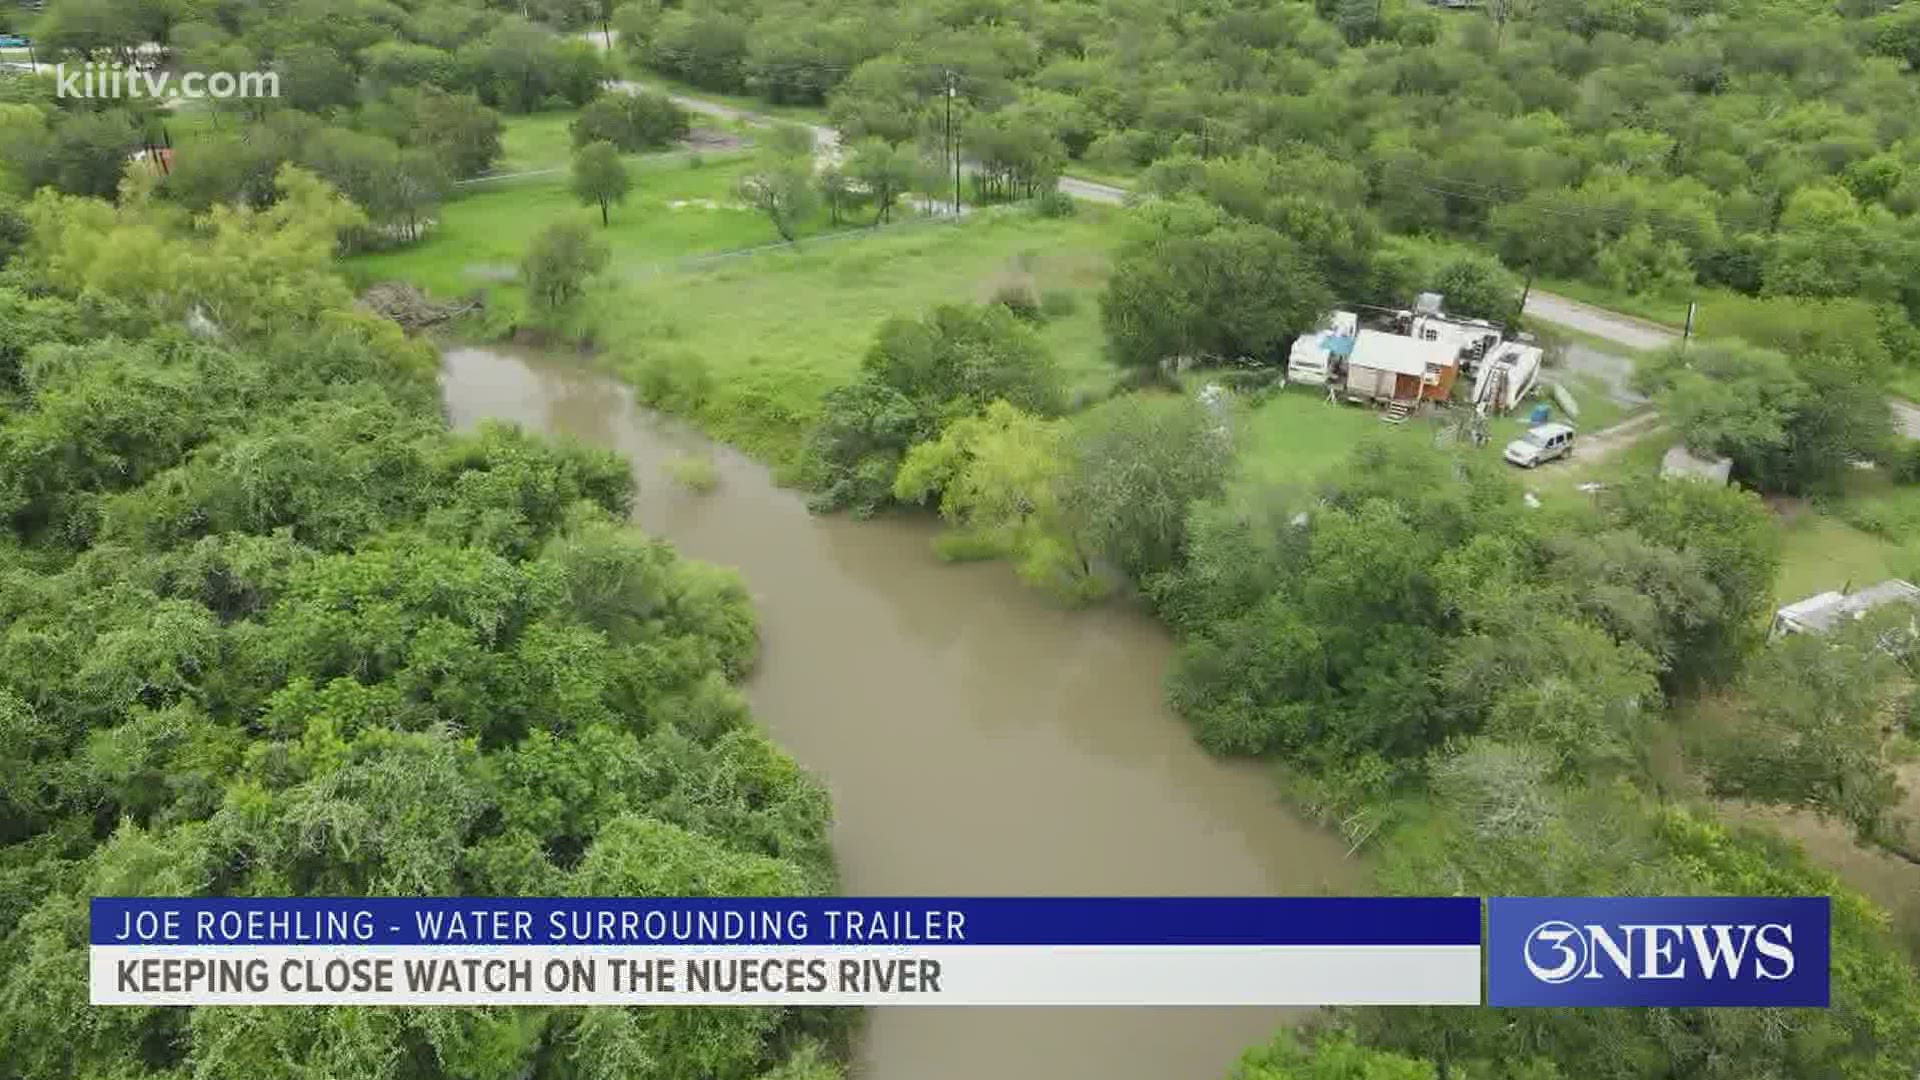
(413, 309)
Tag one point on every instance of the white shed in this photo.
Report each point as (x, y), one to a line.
(1682, 462)
(1821, 613)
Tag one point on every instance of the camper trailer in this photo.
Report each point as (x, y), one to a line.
(1507, 376)
(1316, 357)
(1471, 338)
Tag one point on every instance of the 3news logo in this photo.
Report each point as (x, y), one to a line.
(1648, 951)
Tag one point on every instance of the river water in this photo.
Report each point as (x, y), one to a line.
(977, 739)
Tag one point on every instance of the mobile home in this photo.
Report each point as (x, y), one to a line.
(1389, 367)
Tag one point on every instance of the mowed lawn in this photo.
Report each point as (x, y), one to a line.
(676, 209)
(775, 330)
(1297, 435)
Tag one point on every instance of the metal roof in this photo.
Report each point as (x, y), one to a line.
(1401, 355)
(1821, 612)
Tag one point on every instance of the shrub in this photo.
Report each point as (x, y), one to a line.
(680, 381)
(1059, 303)
(695, 472)
(1020, 297)
(1906, 462)
(1054, 204)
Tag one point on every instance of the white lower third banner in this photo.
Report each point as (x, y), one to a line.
(846, 975)
(785, 951)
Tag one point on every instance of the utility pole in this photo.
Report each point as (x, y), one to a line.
(953, 144)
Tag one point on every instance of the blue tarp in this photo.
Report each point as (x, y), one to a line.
(1338, 344)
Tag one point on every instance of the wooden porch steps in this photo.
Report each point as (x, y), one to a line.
(1397, 413)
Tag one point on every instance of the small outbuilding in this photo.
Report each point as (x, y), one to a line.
(1682, 462)
(1389, 367)
(1819, 614)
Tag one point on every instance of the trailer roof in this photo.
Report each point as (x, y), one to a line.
(1401, 355)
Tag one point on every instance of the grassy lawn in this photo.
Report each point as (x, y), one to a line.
(774, 330)
(535, 141)
(676, 209)
(1296, 434)
(1821, 553)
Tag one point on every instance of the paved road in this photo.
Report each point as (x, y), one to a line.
(1626, 330)
(1093, 191)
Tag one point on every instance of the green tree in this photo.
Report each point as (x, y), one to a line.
(558, 264)
(919, 375)
(998, 477)
(259, 600)
(707, 49)
(959, 358)
(87, 154)
(632, 122)
(1732, 538)
(782, 188)
(316, 78)
(837, 190)
(1328, 1056)
(1791, 426)
(599, 176)
(1231, 292)
(1136, 465)
(1812, 726)
(885, 171)
(1478, 287)
(461, 132)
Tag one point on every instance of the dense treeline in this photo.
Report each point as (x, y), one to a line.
(1468, 686)
(389, 103)
(1765, 146)
(267, 628)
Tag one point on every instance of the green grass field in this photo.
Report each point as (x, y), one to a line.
(535, 141)
(774, 330)
(1296, 434)
(1821, 553)
(675, 210)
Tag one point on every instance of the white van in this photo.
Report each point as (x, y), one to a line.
(1540, 445)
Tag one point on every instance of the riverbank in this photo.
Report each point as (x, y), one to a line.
(976, 737)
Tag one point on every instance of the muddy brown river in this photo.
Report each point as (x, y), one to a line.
(977, 738)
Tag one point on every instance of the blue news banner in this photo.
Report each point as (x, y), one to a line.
(958, 951)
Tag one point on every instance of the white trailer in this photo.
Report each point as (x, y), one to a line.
(1314, 356)
(1508, 375)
